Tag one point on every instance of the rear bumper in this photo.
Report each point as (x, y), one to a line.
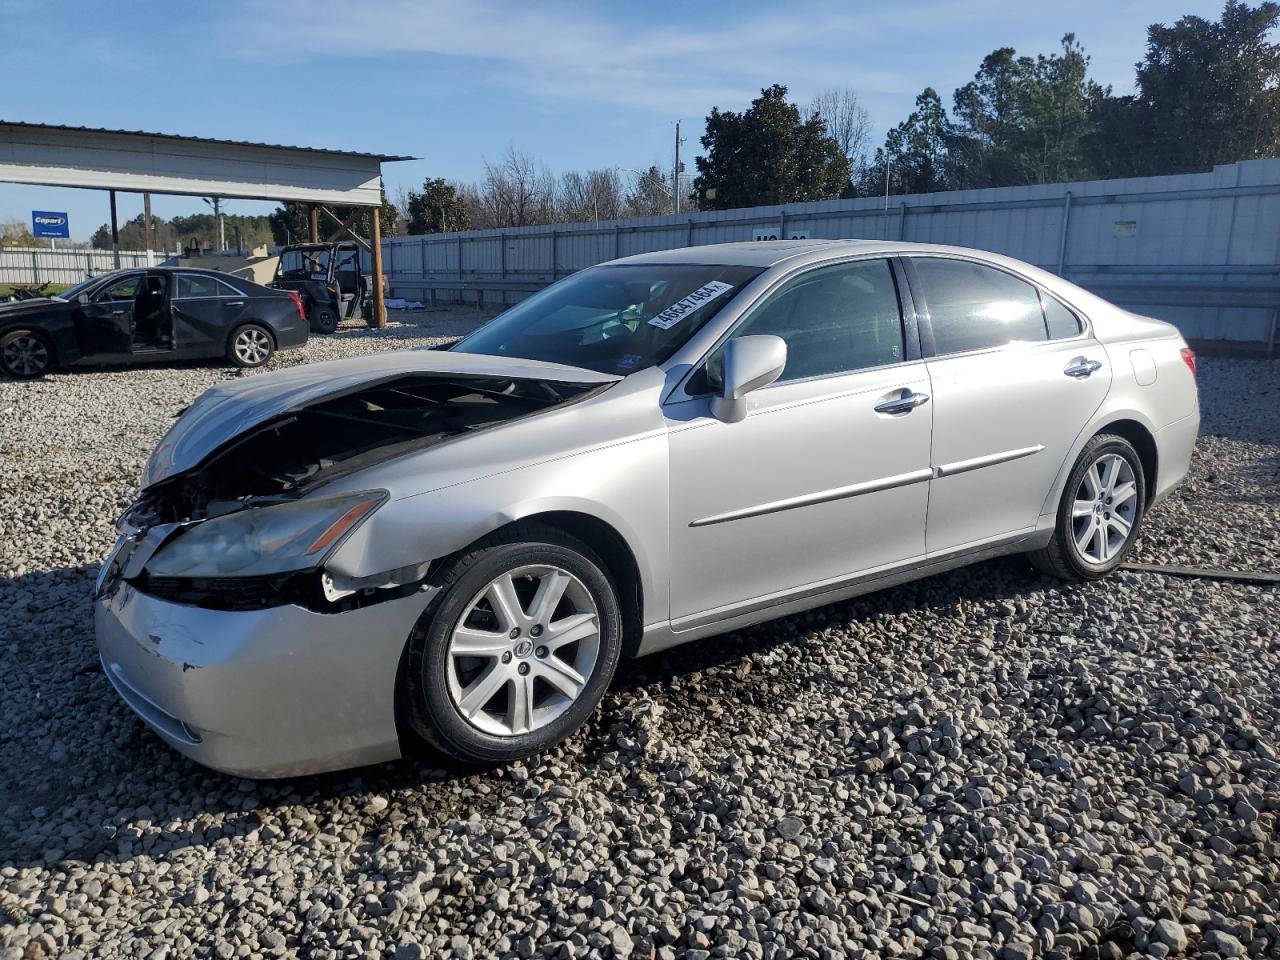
(291, 333)
(1175, 444)
(264, 693)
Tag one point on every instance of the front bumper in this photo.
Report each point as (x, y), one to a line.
(264, 693)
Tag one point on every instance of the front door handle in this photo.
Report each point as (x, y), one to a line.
(906, 401)
(1081, 367)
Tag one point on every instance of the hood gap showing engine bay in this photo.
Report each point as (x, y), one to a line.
(286, 457)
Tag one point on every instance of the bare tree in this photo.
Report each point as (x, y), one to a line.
(594, 195)
(848, 123)
(516, 192)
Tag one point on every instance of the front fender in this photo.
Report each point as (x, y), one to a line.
(624, 486)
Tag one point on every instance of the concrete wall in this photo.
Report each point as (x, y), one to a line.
(1133, 241)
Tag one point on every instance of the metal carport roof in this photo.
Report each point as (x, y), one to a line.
(141, 162)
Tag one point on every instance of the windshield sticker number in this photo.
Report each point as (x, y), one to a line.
(669, 317)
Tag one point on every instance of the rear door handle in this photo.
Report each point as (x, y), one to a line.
(906, 401)
(1082, 367)
(235, 303)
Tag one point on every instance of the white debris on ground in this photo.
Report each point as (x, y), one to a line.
(984, 764)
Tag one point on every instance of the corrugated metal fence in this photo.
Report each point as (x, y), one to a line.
(1201, 250)
(65, 268)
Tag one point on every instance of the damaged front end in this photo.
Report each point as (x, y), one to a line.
(245, 529)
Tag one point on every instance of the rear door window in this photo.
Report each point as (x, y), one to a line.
(976, 307)
(192, 286)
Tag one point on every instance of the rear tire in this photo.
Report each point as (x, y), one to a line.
(250, 345)
(491, 681)
(1100, 512)
(324, 320)
(26, 354)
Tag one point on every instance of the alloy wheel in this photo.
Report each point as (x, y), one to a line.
(523, 651)
(26, 356)
(252, 346)
(1104, 509)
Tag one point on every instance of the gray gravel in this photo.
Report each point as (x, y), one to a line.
(983, 764)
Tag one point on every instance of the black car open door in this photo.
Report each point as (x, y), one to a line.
(104, 325)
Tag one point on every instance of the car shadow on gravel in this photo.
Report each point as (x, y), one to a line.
(85, 780)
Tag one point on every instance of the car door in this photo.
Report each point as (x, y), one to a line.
(203, 310)
(104, 325)
(827, 475)
(1009, 400)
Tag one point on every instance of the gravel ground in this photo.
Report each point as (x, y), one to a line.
(984, 764)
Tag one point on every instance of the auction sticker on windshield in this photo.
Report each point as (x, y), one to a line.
(669, 317)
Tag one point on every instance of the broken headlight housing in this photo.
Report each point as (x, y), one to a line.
(257, 541)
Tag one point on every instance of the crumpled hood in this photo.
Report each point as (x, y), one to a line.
(231, 408)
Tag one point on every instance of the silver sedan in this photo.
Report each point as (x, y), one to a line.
(459, 545)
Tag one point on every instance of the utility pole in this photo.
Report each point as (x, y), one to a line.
(675, 176)
(148, 238)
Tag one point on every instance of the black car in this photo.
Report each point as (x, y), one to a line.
(160, 313)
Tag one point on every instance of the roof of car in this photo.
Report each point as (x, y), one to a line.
(767, 253)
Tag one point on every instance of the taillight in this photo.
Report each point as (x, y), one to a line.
(1189, 358)
(302, 314)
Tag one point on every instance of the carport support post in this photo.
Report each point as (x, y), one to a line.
(379, 301)
(313, 216)
(115, 232)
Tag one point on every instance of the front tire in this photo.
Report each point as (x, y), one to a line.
(1100, 512)
(518, 649)
(25, 354)
(250, 345)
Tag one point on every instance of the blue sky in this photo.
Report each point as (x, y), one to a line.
(575, 85)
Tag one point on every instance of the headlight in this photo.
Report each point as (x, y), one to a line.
(284, 538)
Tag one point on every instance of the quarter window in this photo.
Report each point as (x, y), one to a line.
(976, 307)
(1062, 323)
(834, 320)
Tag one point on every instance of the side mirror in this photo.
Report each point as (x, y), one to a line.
(82, 298)
(749, 364)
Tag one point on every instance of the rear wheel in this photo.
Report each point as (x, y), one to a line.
(517, 651)
(324, 319)
(250, 345)
(25, 354)
(1099, 514)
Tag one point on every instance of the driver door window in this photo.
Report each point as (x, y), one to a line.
(124, 289)
(834, 320)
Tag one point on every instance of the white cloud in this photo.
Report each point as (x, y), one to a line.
(551, 50)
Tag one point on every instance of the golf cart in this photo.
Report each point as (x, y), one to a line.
(325, 275)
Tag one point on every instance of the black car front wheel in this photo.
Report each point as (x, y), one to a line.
(518, 649)
(25, 354)
(250, 345)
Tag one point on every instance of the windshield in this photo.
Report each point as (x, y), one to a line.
(613, 319)
(312, 263)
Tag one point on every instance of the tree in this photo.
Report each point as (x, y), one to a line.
(517, 191)
(439, 208)
(1208, 93)
(848, 124)
(594, 195)
(15, 233)
(1022, 119)
(651, 195)
(915, 151)
(768, 154)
